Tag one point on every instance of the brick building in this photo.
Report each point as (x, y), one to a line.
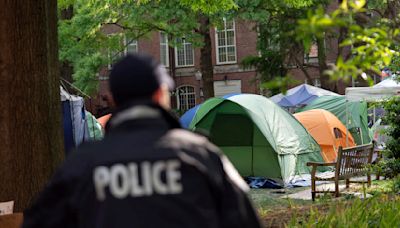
(230, 45)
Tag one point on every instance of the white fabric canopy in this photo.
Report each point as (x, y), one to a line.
(371, 93)
(387, 83)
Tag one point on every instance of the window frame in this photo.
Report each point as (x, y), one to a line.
(126, 52)
(166, 49)
(226, 46)
(176, 54)
(186, 94)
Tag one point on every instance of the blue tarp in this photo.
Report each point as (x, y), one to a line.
(187, 117)
(300, 95)
(76, 128)
(69, 143)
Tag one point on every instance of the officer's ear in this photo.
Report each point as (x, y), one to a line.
(161, 96)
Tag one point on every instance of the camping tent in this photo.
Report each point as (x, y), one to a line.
(103, 120)
(372, 94)
(95, 128)
(300, 95)
(381, 91)
(389, 82)
(259, 137)
(352, 114)
(187, 117)
(76, 129)
(327, 130)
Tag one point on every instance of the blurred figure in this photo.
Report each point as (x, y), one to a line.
(146, 172)
(386, 73)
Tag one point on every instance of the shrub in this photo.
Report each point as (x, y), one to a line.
(391, 166)
(392, 118)
(380, 211)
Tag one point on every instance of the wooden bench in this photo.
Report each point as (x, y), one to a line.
(351, 162)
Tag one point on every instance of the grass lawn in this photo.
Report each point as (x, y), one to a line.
(267, 200)
(276, 210)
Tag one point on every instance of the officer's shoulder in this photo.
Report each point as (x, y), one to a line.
(183, 138)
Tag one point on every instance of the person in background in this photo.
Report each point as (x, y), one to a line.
(147, 171)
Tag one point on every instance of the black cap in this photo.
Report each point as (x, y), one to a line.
(137, 77)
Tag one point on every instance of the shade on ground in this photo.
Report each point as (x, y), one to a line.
(327, 130)
(259, 137)
(300, 95)
(353, 114)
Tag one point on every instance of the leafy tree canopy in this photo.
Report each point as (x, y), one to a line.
(372, 36)
(85, 44)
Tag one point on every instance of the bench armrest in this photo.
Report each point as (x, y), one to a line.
(321, 163)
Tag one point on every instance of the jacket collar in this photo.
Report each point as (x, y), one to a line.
(144, 112)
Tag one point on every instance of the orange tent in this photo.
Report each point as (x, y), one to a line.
(327, 130)
(103, 120)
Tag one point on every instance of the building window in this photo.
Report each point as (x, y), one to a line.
(164, 52)
(131, 46)
(186, 97)
(226, 43)
(312, 55)
(184, 54)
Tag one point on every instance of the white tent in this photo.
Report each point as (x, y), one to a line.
(383, 90)
(371, 94)
(390, 82)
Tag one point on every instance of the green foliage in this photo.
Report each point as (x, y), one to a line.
(392, 118)
(276, 44)
(84, 43)
(373, 44)
(380, 211)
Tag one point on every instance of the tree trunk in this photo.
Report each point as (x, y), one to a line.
(322, 63)
(30, 113)
(206, 65)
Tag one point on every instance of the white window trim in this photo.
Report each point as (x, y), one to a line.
(234, 44)
(167, 50)
(187, 100)
(176, 57)
(126, 45)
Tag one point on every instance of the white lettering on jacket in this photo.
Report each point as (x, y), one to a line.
(137, 180)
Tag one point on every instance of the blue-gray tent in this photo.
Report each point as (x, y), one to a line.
(300, 96)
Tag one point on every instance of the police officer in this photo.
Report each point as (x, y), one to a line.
(146, 172)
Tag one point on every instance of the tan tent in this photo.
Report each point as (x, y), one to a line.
(327, 130)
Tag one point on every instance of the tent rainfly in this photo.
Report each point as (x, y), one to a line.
(352, 114)
(300, 95)
(259, 137)
(327, 130)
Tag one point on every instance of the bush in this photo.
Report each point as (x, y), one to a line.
(380, 211)
(391, 166)
(392, 118)
(388, 167)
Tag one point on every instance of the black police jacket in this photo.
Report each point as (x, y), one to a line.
(146, 172)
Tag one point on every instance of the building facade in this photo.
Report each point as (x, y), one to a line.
(230, 45)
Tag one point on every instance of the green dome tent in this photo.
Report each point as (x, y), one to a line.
(355, 118)
(259, 137)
